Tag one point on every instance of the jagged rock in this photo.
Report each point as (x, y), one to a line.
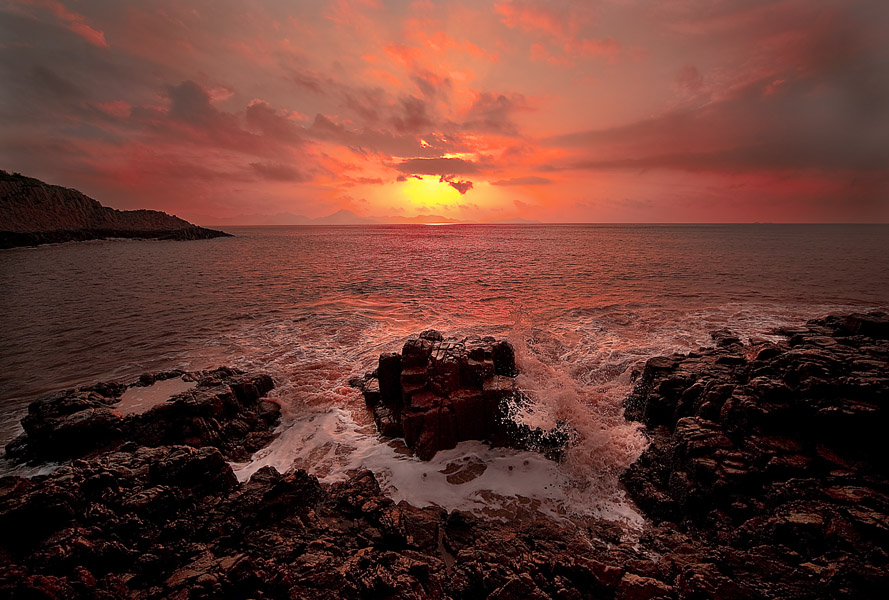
(225, 410)
(768, 508)
(440, 392)
(771, 444)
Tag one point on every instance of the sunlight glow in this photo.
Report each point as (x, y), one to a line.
(429, 192)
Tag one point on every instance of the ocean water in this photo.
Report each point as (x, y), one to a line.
(314, 306)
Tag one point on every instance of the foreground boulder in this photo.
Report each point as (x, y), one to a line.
(225, 410)
(439, 392)
(776, 446)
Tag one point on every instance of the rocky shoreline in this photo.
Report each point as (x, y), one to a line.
(765, 478)
(33, 213)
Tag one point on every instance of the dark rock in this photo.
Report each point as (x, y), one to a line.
(389, 377)
(33, 213)
(748, 455)
(437, 393)
(222, 411)
(749, 489)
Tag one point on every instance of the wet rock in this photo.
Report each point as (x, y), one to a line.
(439, 392)
(222, 411)
(739, 503)
(747, 455)
(635, 587)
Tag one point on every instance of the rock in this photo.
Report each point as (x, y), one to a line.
(725, 338)
(222, 411)
(33, 212)
(389, 377)
(437, 393)
(503, 357)
(635, 587)
(739, 502)
(780, 451)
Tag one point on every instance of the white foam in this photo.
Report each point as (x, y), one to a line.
(332, 444)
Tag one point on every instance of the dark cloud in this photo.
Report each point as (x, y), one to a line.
(493, 113)
(261, 117)
(812, 94)
(414, 117)
(437, 166)
(800, 123)
(523, 181)
(366, 103)
(461, 185)
(432, 86)
(326, 128)
(191, 103)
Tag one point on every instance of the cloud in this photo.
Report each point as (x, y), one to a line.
(414, 117)
(543, 18)
(190, 103)
(261, 117)
(282, 105)
(277, 172)
(493, 113)
(460, 185)
(835, 119)
(437, 166)
(431, 85)
(523, 181)
(75, 22)
(689, 79)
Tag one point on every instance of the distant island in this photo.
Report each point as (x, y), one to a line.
(33, 212)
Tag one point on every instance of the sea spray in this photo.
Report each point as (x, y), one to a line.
(328, 432)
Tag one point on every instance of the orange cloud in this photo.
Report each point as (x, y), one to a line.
(282, 107)
(73, 21)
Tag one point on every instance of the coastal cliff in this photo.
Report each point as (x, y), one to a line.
(765, 478)
(33, 212)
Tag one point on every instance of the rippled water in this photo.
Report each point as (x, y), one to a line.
(316, 305)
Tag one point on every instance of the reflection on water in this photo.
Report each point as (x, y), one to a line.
(316, 305)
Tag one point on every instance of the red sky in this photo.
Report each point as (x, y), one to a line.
(597, 111)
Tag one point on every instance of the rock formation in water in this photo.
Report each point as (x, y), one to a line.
(225, 410)
(33, 212)
(439, 392)
(766, 478)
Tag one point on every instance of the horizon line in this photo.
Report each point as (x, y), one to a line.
(538, 223)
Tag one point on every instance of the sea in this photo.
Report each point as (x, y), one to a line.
(584, 306)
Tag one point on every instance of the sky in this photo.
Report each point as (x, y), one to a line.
(248, 111)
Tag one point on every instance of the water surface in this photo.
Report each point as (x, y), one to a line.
(314, 306)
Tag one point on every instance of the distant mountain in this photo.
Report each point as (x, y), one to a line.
(420, 219)
(33, 212)
(514, 221)
(253, 220)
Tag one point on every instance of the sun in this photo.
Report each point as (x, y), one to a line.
(428, 192)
